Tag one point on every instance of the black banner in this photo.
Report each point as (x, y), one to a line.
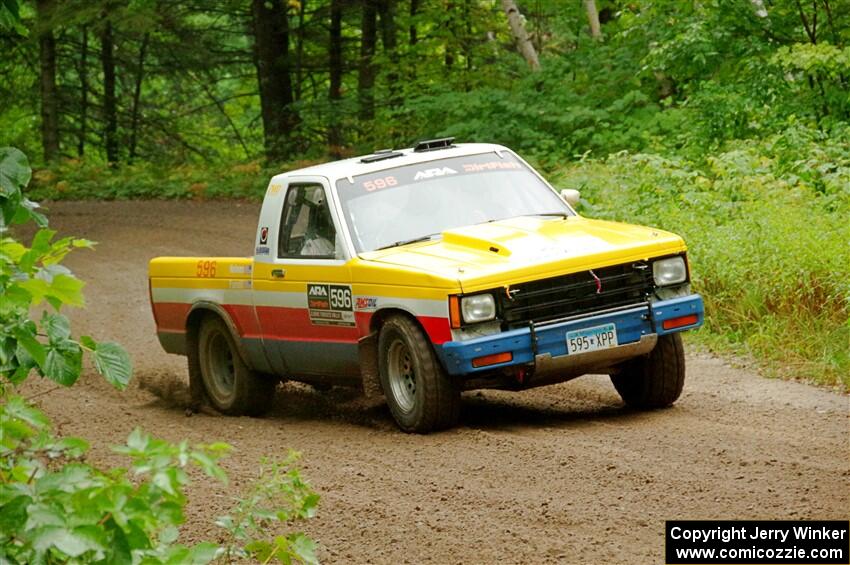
(744, 542)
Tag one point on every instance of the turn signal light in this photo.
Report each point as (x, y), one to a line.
(679, 322)
(494, 359)
(454, 312)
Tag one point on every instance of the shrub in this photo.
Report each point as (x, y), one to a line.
(766, 223)
(54, 506)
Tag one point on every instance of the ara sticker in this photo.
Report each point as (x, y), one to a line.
(262, 250)
(330, 304)
(431, 173)
(264, 235)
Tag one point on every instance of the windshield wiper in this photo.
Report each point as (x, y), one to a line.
(558, 214)
(408, 241)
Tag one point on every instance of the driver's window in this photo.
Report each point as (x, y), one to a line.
(306, 227)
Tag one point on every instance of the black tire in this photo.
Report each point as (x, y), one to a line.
(230, 385)
(421, 397)
(654, 380)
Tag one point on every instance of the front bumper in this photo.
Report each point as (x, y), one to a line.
(544, 347)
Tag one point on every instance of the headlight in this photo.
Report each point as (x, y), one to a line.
(670, 271)
(478, 308)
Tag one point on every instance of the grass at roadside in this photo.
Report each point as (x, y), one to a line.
(768, 230)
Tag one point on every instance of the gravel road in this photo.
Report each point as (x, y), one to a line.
(562, 474)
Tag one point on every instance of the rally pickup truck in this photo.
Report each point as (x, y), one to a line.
(421, 273)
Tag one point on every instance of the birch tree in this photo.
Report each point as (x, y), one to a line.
(523, 42)
(593, 19)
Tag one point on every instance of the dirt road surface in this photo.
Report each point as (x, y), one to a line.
(562, 474)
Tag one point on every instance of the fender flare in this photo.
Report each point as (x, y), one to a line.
(217, 309)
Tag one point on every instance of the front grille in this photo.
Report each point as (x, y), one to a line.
(576, 294)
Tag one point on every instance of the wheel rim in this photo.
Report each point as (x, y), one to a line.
(221, 373)
(401, 375)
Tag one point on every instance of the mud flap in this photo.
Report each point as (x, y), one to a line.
(368, 353)
(197, 393)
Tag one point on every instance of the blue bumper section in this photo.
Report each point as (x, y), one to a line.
(631, 324)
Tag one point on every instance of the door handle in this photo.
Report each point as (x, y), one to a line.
(278, 273)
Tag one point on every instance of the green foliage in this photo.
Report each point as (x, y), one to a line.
(54, 506)
(766, 223)
(57, 508)
(279, 495)
(10, 16)
(30, 276)
(84, 179)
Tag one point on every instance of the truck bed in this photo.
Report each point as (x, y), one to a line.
(176, 283)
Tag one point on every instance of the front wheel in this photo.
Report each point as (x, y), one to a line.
(419, 393)
(654, 380)
(230, 385)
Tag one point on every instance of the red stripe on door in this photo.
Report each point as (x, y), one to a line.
(291, 324)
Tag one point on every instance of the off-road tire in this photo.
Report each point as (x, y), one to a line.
(654, 380)
(231, 387)
(434, 404)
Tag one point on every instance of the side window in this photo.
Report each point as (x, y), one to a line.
(306, 228)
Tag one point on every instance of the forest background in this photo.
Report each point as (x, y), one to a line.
(727, 121)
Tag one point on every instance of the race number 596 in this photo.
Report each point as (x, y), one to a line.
(206, 269)
(340, 298)
(377, 184)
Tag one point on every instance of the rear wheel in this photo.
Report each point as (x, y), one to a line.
(419, 393)
(230, 385)
(654, 380)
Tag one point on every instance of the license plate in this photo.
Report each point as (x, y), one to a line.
(592, 339)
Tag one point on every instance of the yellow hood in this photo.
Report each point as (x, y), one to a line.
(510, 251)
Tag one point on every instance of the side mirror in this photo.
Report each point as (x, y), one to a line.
(571, 196)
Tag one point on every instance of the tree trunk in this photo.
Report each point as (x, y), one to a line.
(271, 57)
(299, 51)
(390, 42)
(137, 96)
(414, 10)
(524, 45)
(335, 139)
(467, 43)
(449, 56)
(84, 93)
(47, 82)
(593, 19)
(366, 76)
(110, 113)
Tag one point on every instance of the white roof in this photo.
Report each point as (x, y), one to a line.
(353, 167)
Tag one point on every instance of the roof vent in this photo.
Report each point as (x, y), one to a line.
(381, 155)
(434, 144)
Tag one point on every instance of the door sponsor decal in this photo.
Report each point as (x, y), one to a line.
(366, 303)
(330, 304)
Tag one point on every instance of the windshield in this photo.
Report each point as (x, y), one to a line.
(397, 205)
